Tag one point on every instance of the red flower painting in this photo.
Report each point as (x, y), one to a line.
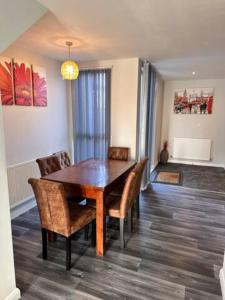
(23, 88)
(6, 84)
(39, 87)
(22, 83)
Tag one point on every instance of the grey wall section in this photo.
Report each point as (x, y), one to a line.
(196, 126)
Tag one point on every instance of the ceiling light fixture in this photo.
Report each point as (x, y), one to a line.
(69, 68)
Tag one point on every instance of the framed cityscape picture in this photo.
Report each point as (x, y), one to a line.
(194, 101)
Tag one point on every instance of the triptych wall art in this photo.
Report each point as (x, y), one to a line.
(193, 101)
(22, 84)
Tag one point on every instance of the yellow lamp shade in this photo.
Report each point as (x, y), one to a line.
(69, 70)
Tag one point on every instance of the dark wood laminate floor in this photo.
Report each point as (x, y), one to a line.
(197, 177)
(175, 253)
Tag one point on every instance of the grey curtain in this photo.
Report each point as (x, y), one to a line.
(91, 110)
(150, 121)
(146, 117)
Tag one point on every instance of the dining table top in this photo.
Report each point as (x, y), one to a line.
(93, 173)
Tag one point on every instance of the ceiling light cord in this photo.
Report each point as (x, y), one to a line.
(69, 44)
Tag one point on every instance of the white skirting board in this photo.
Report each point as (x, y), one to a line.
(22, 207)
(222, 278)
(197, 163)
(222, 283)
(14, 295)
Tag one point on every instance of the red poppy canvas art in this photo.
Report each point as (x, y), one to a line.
(39, 86)
(6, 81)
(22, 84)
(22, 81)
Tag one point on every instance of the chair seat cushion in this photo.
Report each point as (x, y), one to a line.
(113, 207)
(80, 216)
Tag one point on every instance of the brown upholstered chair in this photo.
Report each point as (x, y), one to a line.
(65, 162)
(64, 159)
(51, 164)
(48, 165)
(139, 168)
(121, 204)
(118, 153)
(57, 216)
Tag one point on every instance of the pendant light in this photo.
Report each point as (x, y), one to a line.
(69, 68)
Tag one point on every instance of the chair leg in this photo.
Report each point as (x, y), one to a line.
(44, 242)
(138, 206)
(93, 233)
(130, 220)
(68, 253)
(86, 232)
(122, 233)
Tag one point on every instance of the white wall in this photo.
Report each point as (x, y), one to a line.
(124, 90)
(196, 126)
(7, 282)
(32, 132)
(16, 16)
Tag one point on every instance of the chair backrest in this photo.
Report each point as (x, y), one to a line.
(118, 153)
(52, 205)
(64, 159)
(48, 164)
(139, 168)
(129, 193)
(132, 187)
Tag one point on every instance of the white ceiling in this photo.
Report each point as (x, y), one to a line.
(11, 30)
(178, 36)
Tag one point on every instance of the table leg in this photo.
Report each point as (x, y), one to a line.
(100, 224)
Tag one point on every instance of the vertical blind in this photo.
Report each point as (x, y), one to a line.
(91, 110)
(146, 117)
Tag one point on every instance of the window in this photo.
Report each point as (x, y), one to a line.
(91, 111)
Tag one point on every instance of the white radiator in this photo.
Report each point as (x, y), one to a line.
(187, 148)
(19, 189)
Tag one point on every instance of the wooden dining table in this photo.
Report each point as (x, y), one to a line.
(95, 179)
